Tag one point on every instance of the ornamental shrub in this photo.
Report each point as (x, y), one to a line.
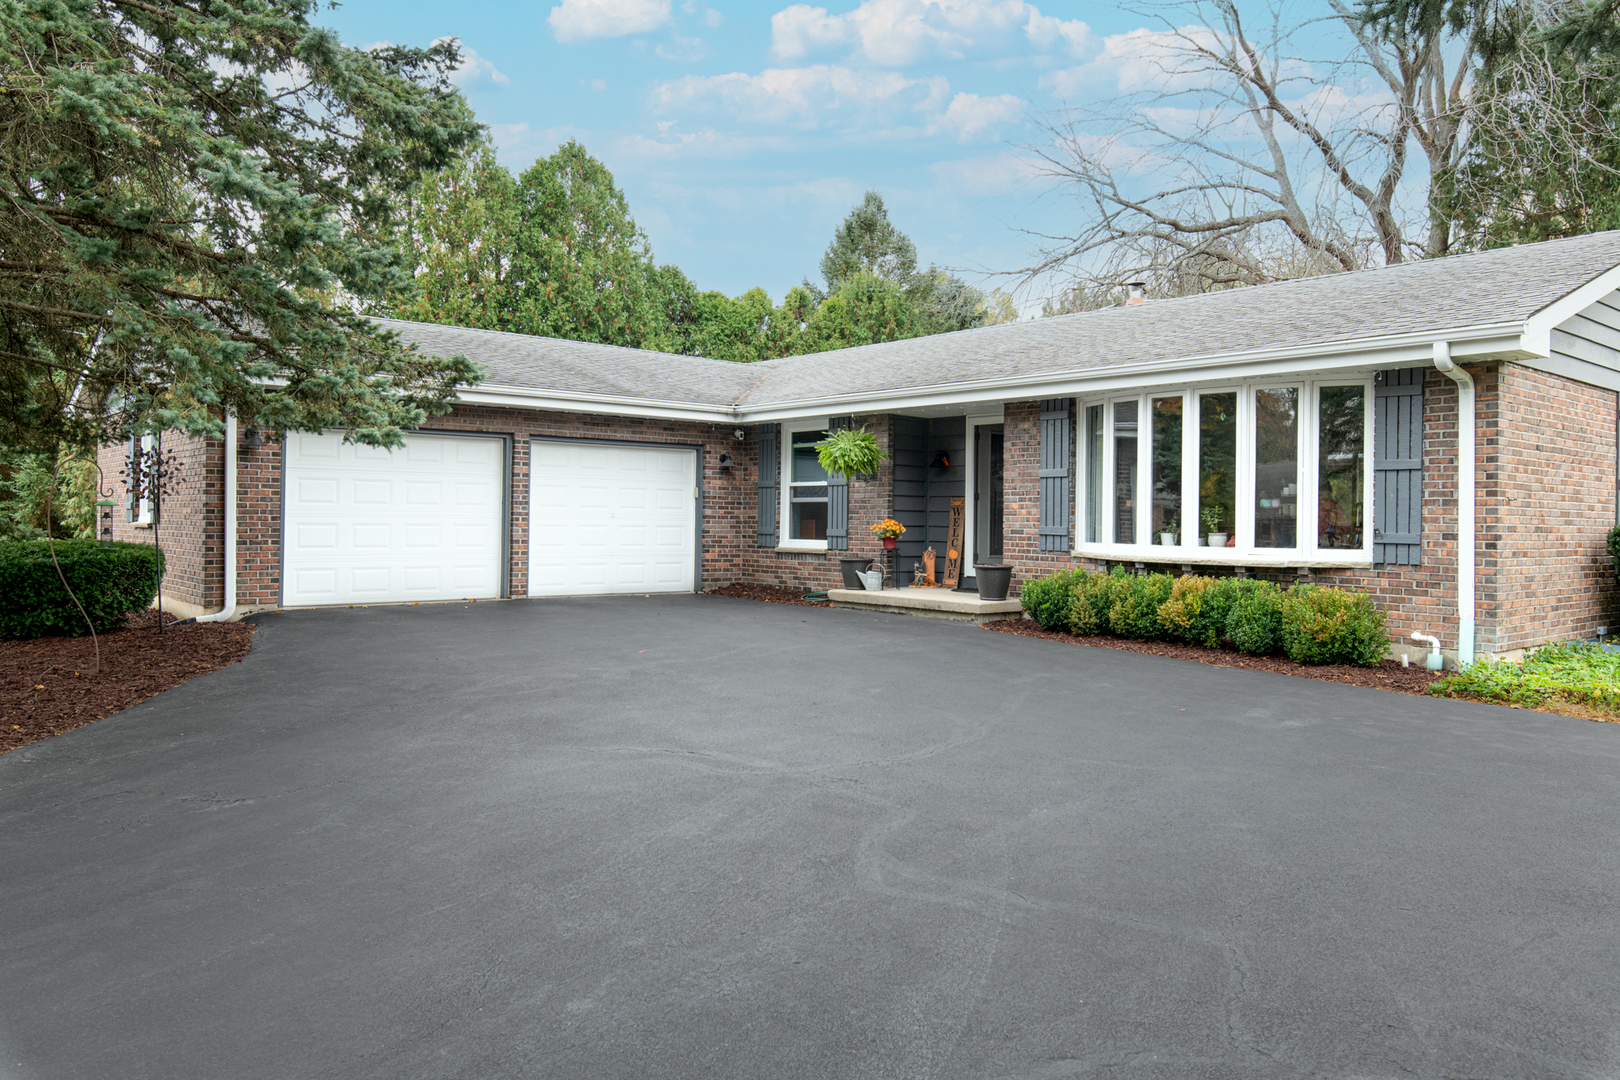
(1135, 610)
(1050, 600)
(1254, 624)
(1179, 614)
(1332, 626)
(1093, 599)
(110, 580)
(1208, 626)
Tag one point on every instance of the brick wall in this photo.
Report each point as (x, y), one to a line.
(870, 501)
(191, 521)
(1545, 530)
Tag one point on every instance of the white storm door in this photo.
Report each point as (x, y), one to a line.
(611, 519)
(365, 525)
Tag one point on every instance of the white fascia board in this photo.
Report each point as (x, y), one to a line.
(596, 404)
(1496, 340)
(1537, 338)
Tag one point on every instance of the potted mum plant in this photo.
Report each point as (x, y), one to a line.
(888, 530)
(851, 453)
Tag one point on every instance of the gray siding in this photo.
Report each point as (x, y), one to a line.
(949, 435)
(922, 494)
(910, 456)
(1593, 335)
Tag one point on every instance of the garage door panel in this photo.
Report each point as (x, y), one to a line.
(370, 537)
(366, 524)
(372, 492)
(607, 519)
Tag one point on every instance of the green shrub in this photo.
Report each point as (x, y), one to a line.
(1135, 610)
(1208, 626)
(1179, 614)
(110, 580)
(1566, 671)
(1093, 599)
(1254, 623)
(1332, 626)
(1049, 600)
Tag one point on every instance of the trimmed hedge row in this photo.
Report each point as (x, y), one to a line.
(110, 580)
(1310, 624)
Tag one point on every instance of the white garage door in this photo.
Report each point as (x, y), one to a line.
(611, 519)
(364, 525)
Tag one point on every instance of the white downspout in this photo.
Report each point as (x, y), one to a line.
(224, 614)
(1466, 434)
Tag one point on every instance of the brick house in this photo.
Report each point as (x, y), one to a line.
(1193, 434)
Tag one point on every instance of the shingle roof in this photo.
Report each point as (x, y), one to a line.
(1505, 285)
(583, 367)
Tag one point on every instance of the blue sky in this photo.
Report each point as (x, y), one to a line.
(742, 133)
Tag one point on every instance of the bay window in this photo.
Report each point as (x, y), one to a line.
(1232, 468)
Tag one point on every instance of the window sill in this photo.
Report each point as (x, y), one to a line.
(802, 549)
(1203, 556)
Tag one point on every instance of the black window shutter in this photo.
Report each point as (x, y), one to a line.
(1398, 466)
(838, 497)
(1055, 476)
(770, 464)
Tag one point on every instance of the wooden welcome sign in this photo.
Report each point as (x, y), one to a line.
(953, 544)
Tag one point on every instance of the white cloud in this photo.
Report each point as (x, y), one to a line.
(683, 50)
(811, 96)
(899, 32)
(1145, 59)
(518, 146)
(970, 115)
(707, 143)
(998, 174)
(576, 20)
(474, 70)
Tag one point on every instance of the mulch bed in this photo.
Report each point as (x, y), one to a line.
(47, 686)
(1388, 675)
(770, 594)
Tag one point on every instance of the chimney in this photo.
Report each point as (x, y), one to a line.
(1137, 292)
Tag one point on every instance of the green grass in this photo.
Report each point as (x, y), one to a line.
(1566, 672)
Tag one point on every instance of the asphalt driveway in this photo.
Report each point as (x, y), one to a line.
(694, 837)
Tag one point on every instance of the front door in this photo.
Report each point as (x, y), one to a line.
(987, 485)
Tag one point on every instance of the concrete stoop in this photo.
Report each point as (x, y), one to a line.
(932, 603)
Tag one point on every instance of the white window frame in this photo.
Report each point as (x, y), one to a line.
(970, 540)
(1244, 553)
(143, 507)
(785, 494)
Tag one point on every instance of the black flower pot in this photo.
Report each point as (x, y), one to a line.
(851, 567)
(994, 581)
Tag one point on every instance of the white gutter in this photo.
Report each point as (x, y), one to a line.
(224, 614)
(1466, 435)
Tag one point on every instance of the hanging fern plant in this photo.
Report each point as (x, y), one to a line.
(850, 452)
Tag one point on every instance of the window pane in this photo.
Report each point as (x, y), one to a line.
(1125, 472)
(808, 520)
(806, 465)
(1166, 467)
(807, 493)
(1217, 464)
(1276, 467)
(1094, 475)
(1341, 475)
